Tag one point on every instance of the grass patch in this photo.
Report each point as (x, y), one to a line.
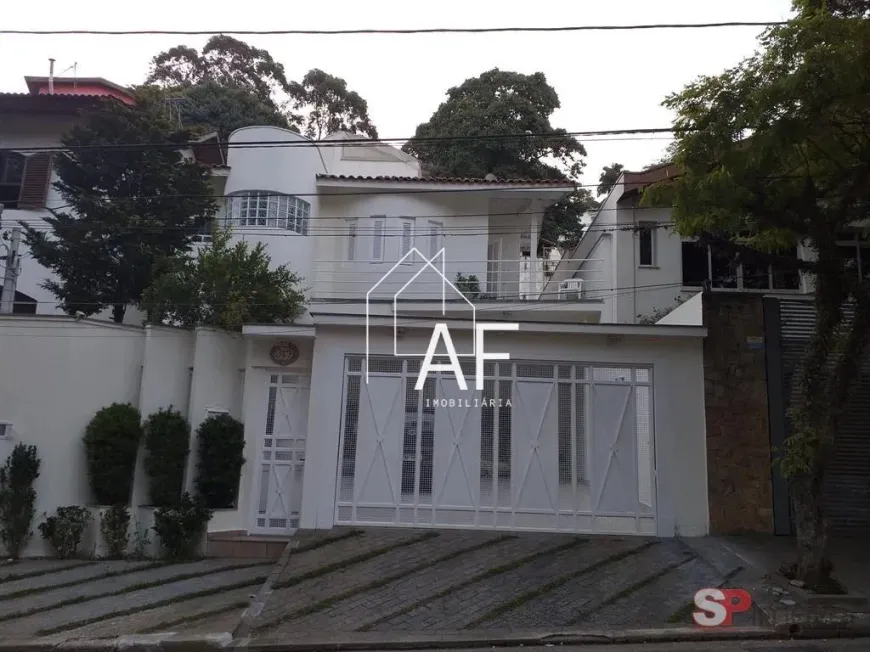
(154, 605)
(682, 614)
(84, 580)
(320, 543)
(44, 571)
(139, 586)
(546, 588)
(328, 602)
(490, 572)
(356, 559)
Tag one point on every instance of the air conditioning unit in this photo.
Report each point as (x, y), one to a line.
(571, 289)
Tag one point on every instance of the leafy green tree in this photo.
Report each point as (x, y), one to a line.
(224, 285)
(125, 207)
(502, 103)
(209, 106)
(608, 177)
(224, 60)
(326, 106)
(772, 152)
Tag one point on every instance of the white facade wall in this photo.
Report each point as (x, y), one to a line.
(678, 396)
(56, 374)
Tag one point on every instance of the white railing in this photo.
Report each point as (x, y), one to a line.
(480, 280)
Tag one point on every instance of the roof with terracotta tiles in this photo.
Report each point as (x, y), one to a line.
(454, 180)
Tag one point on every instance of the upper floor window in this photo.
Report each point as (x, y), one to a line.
(11, 176)
(646, 243)
(722, 271)
(856, 251)
(436, 235)
(268, 210)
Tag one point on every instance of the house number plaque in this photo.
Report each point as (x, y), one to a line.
(285, 353)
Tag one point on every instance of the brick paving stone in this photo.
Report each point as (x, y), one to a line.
(283, 603)
(48, 598)
(165, 619)
(653, 604)
(564, 604)
(12, 570)
(458, 609)
(306, 561)
(106, 607)
(78, 573)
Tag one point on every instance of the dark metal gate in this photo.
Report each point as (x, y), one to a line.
(789, 323)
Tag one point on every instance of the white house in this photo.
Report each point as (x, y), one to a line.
(633, 259)
(587, 427)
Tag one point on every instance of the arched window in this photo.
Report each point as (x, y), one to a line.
(268, 210)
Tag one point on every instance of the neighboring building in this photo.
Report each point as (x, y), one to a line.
(587, 428)
(633, 259)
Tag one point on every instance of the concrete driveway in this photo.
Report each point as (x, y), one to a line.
(372, 580)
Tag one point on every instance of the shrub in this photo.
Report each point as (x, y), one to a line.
(115, 527)
(180, 528)
(64, 531)
(167, 434)
(18, 498)
(111, 444)
(221, 442)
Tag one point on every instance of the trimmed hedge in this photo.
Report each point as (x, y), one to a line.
(111, 445)
(221, 442)
(167, 434)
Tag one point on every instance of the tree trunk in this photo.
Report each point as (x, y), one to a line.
(118, 311)
(811, 531)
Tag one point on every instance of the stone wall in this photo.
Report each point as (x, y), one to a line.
(738, 439)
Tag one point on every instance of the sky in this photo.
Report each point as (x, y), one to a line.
(605, 80)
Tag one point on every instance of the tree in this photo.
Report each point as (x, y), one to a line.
(127, 207)
(327, 106)
(225, 286)
(209, 106)
(500, 104)
(608, 177)
(771, 152)
(225, 61)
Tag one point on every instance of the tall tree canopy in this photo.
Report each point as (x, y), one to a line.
(126, 208)
(224, 60)
(326, 105)
(607, 178)
(225, 285)
(776, 151)
(504, 103)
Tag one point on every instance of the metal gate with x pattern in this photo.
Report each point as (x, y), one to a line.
(545, 446)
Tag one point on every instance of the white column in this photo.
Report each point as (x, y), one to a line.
(534, 276)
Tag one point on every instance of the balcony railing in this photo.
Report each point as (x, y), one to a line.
(479, 280)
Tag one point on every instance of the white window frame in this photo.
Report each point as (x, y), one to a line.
(406, 239)
(651, 228)
(262, 209)
(351, 239)
(378, 238)
(435, 235)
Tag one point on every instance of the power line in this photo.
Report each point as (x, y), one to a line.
(362, 142)
(425, 30)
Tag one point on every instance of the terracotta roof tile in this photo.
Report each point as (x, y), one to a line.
(468, 180)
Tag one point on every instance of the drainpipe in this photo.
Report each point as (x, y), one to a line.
(51, 76)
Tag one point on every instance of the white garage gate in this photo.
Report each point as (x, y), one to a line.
(545, 446)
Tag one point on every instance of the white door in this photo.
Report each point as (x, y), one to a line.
(282, 454)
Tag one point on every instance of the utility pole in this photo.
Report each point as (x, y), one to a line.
(10, 278)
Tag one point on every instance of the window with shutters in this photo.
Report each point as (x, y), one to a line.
(378, 237)
(11, 176)
(351, 239)
(406, 239)
(436, 236)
